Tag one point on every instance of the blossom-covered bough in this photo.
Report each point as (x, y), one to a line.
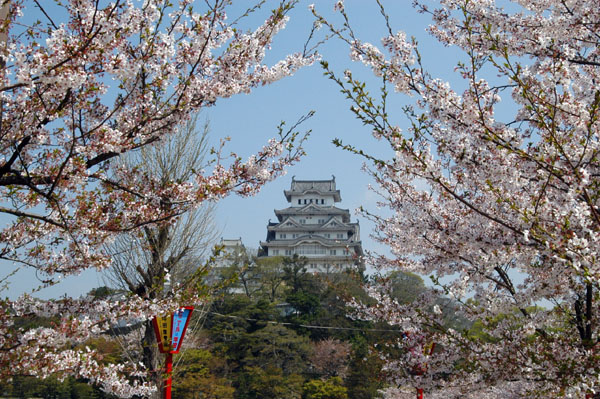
(499, 205)
(84, 81)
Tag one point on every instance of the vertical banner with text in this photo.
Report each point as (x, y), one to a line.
(170, 329)
(162, 328)
(181, 318)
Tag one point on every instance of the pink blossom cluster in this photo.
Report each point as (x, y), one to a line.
(62, 349)
(502, 211)
(81, 83)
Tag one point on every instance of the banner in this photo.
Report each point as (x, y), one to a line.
(162, 329)
(170, 330)
(181, 318)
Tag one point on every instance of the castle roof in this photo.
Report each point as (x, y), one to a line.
(311, 209)
(309, 238)
(322, 187)
(330, 224)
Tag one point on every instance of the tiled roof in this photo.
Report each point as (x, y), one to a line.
(323, 187)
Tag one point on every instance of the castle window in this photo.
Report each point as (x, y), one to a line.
(288, 251)
(322, 201)
(310, 249)
(275, 252)
(321, 221)
(282, 236)
(327, 235)
(304, 201)
(340, 235)
(332, 252)
(299, 202)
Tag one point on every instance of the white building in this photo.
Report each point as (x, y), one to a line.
(232, 252)
(313, 227)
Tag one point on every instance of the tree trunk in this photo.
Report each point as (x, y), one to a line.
(153, 360)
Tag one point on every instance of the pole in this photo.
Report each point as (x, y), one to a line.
(419, 393)
(168, 380)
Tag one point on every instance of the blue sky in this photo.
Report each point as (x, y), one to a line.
(250, 120)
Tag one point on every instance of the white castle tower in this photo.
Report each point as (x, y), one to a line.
(313, 227)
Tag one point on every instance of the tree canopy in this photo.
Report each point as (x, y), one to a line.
(82, 83)
(501, 208)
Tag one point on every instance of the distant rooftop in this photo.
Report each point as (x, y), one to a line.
(234, 242)
(323, 187)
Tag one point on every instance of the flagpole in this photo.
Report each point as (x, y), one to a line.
(168, 380)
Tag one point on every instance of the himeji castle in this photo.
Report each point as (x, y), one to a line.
(313, 227)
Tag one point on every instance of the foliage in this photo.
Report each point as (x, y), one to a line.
(366, 370)
(405, 287)
(51, 388)
(497, 203)
(305, 304)
(296, 272)
(250, 342)
(196, 375)
(274, 345)
(261, 341)
(324, 389)
(271, 276)
(268, 382)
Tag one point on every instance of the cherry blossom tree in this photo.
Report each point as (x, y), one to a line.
(84, 81)
(330, 357)
(498, 204)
